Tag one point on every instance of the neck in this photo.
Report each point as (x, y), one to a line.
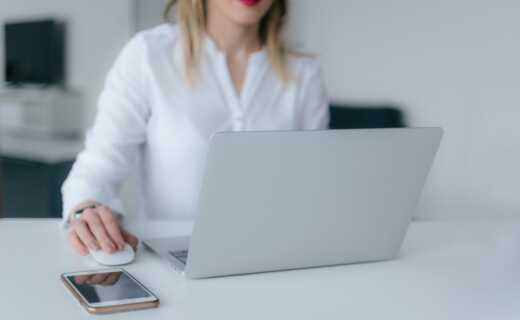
(231, 38)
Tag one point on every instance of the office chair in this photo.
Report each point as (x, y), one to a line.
(365, 116)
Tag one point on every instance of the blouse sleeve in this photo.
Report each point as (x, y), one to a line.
(113, 143)
(314, 99)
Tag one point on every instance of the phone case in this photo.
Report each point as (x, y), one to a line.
(110, 309)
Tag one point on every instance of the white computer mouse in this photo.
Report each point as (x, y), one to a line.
(117, 258)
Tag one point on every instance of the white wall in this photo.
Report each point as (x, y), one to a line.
(97, 30)
(149, 13)
(451, 63)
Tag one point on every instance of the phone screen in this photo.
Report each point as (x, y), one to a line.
(107, 287)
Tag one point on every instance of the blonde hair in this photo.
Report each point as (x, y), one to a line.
(191, 17)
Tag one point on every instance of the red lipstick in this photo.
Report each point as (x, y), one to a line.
(250, 3)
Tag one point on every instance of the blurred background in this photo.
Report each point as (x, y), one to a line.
(448, 63)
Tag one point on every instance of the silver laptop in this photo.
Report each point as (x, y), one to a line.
(287, 200)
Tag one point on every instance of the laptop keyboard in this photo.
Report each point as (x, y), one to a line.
(182, 255)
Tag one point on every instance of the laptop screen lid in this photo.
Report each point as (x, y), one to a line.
(285, 200)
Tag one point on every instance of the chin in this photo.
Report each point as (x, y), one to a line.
(247, 15)
(247, 19)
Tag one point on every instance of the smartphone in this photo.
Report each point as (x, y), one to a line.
(109, 291)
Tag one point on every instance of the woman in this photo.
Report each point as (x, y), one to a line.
(222, 67)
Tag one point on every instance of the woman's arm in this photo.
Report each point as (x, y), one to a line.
(111, 146)
(314, 98)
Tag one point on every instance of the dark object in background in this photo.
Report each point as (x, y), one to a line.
(35, 52)
(31, 189)
(350, 116)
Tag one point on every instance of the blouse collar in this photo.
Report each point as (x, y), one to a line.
(214, 51)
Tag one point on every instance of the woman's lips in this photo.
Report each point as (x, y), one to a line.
(250, 3)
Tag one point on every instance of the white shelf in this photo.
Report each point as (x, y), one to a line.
(44, 150)
(41, 111)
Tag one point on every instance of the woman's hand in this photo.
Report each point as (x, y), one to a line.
(99, 229)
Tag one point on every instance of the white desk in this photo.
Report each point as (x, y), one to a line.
(447, 270)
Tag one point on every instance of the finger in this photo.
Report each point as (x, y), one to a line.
(98, 229)
(85, 235)
(130, 239)
(77, 244)
(111, 279)
(112, 226)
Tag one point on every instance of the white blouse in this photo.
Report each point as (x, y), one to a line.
(148, 115)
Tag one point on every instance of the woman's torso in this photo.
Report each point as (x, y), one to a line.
(184, 117)
(171, 123)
